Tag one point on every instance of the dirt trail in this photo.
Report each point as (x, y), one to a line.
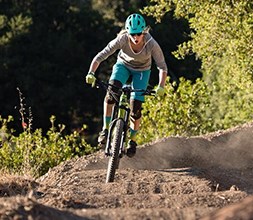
(207, 177)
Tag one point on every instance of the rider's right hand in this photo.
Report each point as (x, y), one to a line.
(91, 79)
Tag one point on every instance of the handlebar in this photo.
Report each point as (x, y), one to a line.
(126, 89)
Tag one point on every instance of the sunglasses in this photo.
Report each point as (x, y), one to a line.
(138, 34)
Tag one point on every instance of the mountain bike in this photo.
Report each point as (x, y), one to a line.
(118, 129)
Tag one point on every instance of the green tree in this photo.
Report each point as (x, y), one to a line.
(180, 112)
(45, 50)
(118, 10)
(222, 38)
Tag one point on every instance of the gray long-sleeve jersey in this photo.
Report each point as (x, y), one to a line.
(136, 61)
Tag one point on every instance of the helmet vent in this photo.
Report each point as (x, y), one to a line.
(135, 23)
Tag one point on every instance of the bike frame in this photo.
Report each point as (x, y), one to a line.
(121, 111)
(117, 133)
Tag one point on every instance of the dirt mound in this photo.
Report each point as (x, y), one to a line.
(241, 210)
(11, 185)
(18, 208)
(173, 178)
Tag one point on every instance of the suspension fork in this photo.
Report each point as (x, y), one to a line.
(125, 129)
(126, 120)
(112, 124)
(115, 117)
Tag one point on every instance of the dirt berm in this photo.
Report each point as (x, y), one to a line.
(208, 177)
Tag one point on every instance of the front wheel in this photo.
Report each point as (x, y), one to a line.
(116, 141)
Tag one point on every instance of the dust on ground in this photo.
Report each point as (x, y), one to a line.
(208, 177)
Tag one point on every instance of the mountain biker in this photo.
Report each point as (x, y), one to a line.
(136, 49)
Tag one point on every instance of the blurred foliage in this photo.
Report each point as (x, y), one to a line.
(118, 10)
(47, 55)
(179, 112)
(46, 48)
(14, 26)
(32, 153)
(222, 38)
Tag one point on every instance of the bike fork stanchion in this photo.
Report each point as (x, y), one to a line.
(125, 130)
(109, 138)
(122, 149)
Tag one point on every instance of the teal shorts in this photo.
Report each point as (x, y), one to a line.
(140, 79)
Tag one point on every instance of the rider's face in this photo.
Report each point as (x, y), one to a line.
(136, 38)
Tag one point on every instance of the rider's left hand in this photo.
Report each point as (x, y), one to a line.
(160, 91)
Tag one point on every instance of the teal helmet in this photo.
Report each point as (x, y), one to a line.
(135, 23)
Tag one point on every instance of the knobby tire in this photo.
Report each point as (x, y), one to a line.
(116, 141)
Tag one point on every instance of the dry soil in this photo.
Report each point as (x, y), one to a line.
(208, 177)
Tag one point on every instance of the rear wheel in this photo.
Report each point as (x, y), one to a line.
(116, 141)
